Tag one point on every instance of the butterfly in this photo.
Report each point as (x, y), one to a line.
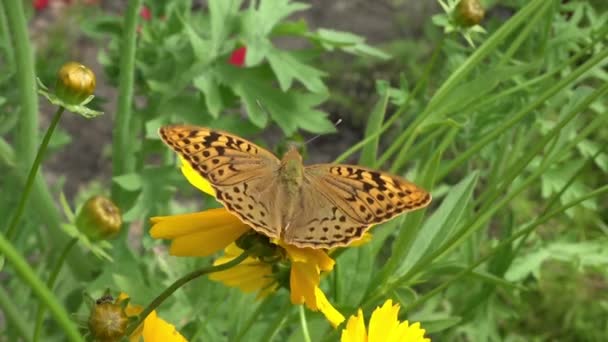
(317, 206)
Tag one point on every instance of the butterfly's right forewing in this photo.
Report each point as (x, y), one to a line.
(352, 199)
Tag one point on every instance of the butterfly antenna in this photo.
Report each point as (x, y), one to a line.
(339, 121)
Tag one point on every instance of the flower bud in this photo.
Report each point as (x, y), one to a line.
(108, 320)
(469, 13)
(75, 83)
(99, 218)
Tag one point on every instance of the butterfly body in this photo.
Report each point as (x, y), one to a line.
(318, 206)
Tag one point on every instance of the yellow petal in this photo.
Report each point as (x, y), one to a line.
(413, 333)
(249, 276)
(308, 255)
(207, 242)
(333, 316)
(198, 234)
(195, 178)
(169, 227)
(355, 329)
(367, 237)
(303, 280)
(158, 330)
(383, 322)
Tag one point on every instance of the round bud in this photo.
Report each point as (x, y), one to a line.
(75, 83)
(99, 218)
(469, 13)
(108, 321)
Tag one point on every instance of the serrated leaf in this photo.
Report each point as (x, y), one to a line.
(213, 98)
(222, 14)
(287, 68)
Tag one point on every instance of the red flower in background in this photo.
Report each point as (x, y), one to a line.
(237, 58)
(145, 13)
(40, 4)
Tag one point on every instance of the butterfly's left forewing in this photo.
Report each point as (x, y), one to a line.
(241, 173)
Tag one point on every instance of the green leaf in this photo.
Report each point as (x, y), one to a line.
(202, 48)
(291, 110)
(374, 123)
(286, 67)
(583, 254)
(222, 15)
(129, 182)
(346, 41)
(442, 222)
(213, 98)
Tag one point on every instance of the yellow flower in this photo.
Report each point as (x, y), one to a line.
(384, 326)
(251, 275)
(108, 322)
(204, 233)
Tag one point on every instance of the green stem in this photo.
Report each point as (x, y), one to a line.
(304, 324)
(14, 316)
(179, 283)
(32, 174)
(273, 328)
(43, 293)
(50, 283)
(251, 320)
(123, 159)
(26, 137)
(419, 85)
(560, 85)
(506, 243)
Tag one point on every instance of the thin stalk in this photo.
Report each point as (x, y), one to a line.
(123, 158)
(464, 156)
(50, 283)
(274, 327)
(179, 283)
(14, 315)
(504, 244)
(304, 324)
(251, 320)
(6, 39)
(417, 89)
(46, 297)
(26, 138)
(534, 150)
(10, 232)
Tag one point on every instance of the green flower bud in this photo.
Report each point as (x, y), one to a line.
(469, 13)
(99, 218)
(75, 83)
(108, 320)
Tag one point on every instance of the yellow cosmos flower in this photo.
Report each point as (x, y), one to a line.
(384, 326)
(204, 233)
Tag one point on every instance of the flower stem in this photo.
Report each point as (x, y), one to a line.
(179, 283)
(123, 159)
(32, 174)
(26, 133)
(50, 283)
(25, 271)
(304, 324)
